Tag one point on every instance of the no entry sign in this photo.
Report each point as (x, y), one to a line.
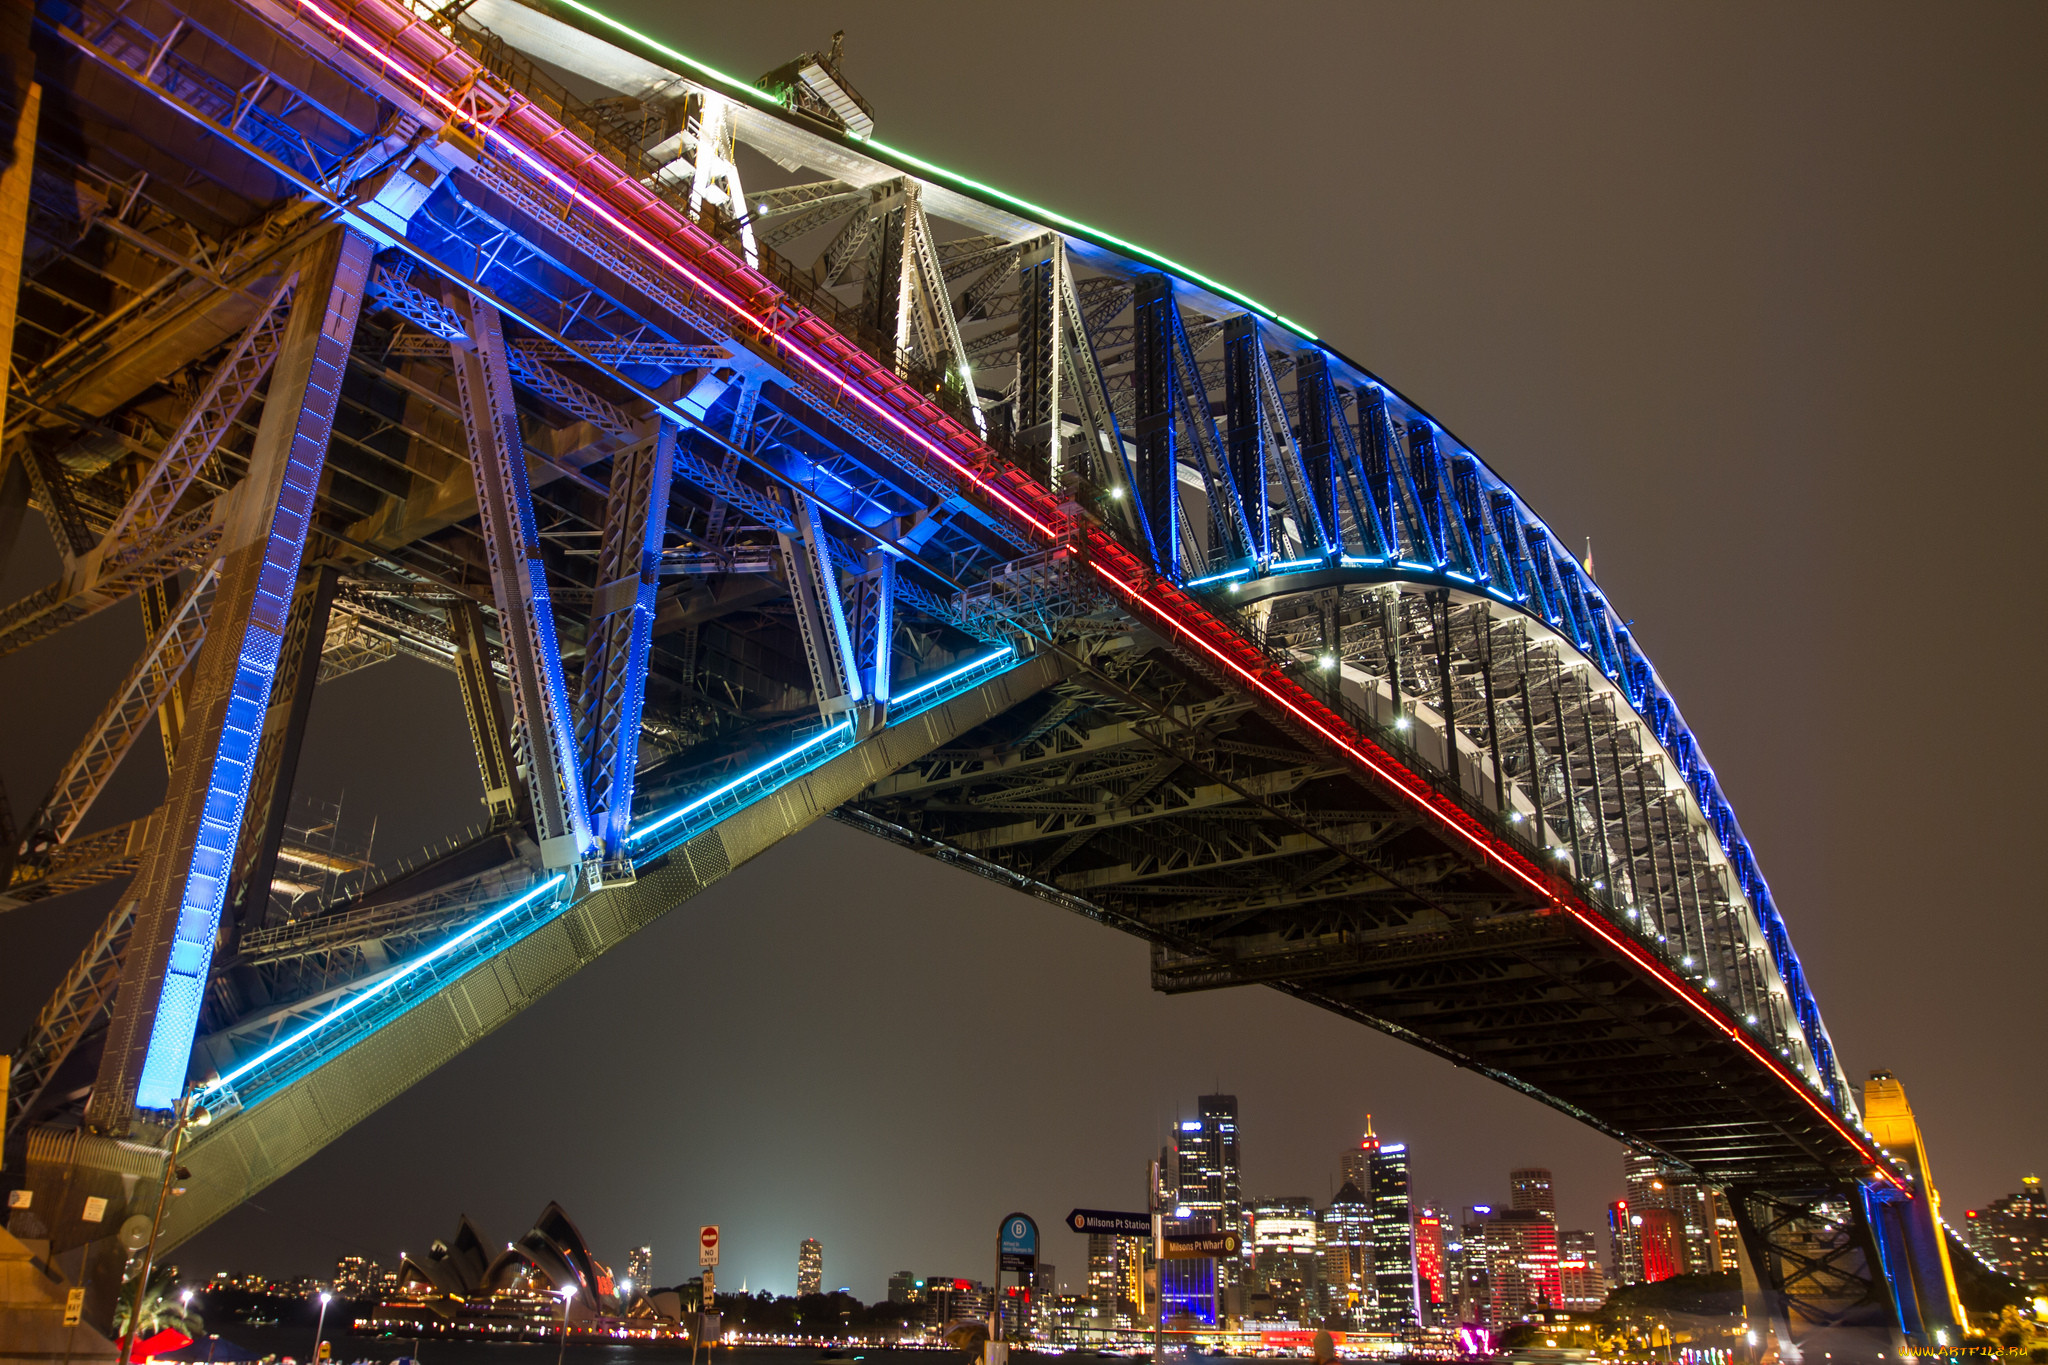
(707, 1245)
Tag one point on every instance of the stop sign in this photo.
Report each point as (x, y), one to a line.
(707, 1245)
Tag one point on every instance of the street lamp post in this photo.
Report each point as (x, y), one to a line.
(190, 1114)
(568, 1292)
(320, 1327)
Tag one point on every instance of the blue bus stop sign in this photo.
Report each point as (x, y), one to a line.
(1017, 1243)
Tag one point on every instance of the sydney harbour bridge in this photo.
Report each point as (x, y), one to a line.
(351, 329)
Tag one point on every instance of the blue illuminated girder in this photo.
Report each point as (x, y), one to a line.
(526, 617)
(393, 993)
(250, 613)
(621, 629)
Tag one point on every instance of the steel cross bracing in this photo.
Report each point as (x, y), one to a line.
(1340, 714)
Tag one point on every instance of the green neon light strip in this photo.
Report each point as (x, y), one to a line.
(916, 163)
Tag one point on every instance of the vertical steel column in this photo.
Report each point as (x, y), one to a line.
(1152, 422)
(874, 625)
(158, 601)
(284, 730)
(488, 729)
(1440, 623)
(1500, 788)
(519, 584)
(1571, 791)
(22, 99)
(820, 615)
(182, 885)
(1316, 442)
(1535, 750)
(1038, 370)
(621, 629)
(1246, 438)
(1599, 796)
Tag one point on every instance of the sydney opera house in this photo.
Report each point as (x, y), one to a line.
(463, 1286)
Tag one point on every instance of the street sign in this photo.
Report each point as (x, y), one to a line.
(707, 1245)
(74, 1306)
(1017, 1244)
(1199, 1246)
(327, 1350)
(1106, 1220)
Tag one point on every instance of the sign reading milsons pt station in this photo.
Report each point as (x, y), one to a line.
(1017, 1244)
(1108, 1220)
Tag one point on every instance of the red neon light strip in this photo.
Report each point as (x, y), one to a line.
(1506, 858)
(682, 268)
(1279, 689)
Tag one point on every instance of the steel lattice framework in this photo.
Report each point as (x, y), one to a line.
(985, 532)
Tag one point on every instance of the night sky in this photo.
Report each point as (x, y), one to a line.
(1752, 295)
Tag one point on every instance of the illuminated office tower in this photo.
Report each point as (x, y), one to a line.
(1431, 1273)
(1522, 1248)
(1701, 1233)
(903, 1287)
(1354, 1167)
(810, 1267)
(1530, 1189)
(1624, 1244)
(1206, 1164)
(1474, 1254)
(1287, 1255)
(640, 1268)
(1393, 1239)
(1347, 1253)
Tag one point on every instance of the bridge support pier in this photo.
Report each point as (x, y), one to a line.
(1813, 1284)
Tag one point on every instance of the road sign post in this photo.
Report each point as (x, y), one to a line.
(707, 1260)
(1017, 1252)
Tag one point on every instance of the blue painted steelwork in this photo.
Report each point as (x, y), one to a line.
(380, 1001)
(212, 860)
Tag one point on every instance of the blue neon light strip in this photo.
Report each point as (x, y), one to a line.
(983, 662)
(1219, 577)
(403, 974)
(309, 1047)
(823, 737)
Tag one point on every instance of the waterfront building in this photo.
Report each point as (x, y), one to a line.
(904, 1287)
(1581, 1285)
(1624, 1244)
(1393, 1240)
(810, 1267)
(2012, 1234)
(1702, 1238)
(357, 1277)
(1474, 1256)
(1522, 1251)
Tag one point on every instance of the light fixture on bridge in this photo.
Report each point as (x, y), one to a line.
(1514, 817)
(1328, 661)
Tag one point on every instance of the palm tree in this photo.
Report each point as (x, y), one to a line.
(160, 1309)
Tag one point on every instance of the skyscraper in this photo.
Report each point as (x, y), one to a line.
(1700, 1238)
(1206, 1164)
(1522, 1247)
(902, 1287)
(1354, 1167)
(810, 1267)
(1393, 1239)
(1286, 1259)
(640, 1268)
(1529, 1189)
(2012, 1233)
(1347, 1252)
(1431, 1272)
(1624, 1244)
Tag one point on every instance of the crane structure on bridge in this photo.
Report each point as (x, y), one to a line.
(352, 329)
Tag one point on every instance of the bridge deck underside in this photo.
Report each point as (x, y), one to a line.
(1142, 794)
